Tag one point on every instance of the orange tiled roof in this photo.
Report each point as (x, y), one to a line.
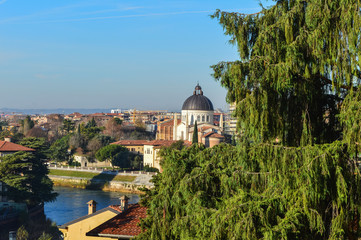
(96, 114)
(12, 147)
(124, 224)
(131, 142)
(213, 134)
(205, 128)
(165, 143)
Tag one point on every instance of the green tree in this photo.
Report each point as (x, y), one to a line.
(136, 162)
(59, 149)
(68, 126)
(90, 130)
(297, 81)
(195, 134)
(297, 62)
(92, 123)
(118, 121)
(116, 154)
(40, 145)
(26, 124)
(26, 177)
(179, 145)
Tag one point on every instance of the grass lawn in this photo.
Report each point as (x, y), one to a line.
(90, 175)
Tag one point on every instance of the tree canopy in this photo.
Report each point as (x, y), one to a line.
(116, 154)
(298, 61)
(26, 177)
(294, 173)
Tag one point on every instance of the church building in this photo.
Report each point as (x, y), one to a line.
(196, 108)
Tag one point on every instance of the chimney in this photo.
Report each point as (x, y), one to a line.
(124, 202)
(92, 206)
(7, 139)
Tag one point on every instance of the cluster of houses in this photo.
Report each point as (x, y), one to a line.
(114, 222)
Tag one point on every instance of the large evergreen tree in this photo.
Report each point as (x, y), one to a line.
(298, 60)
(26, 177)
(294, 173)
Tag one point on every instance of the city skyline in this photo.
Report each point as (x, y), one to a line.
(106, 54)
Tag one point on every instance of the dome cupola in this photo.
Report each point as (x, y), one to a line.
(198, 101)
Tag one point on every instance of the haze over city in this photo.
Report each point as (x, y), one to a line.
(106, 54)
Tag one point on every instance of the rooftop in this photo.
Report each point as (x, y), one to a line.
(131, 142)
(13, 147)
(124, 224)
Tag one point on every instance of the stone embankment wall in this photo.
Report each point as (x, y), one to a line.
(142, 180)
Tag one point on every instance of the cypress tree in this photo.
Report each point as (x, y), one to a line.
(195, 133)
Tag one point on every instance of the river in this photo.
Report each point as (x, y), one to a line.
(71, 203)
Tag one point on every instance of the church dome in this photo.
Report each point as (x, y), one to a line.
(198, 101)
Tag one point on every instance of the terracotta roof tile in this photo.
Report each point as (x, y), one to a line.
(125, 223)
(213, 135)
(165, 143)
(12, 147)
(131, 142)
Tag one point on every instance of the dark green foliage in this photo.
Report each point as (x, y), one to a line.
(40, 145)
(228, 192)
(136, 161)
(298, 60)
(90, 130)
(118, 155)
(179, 145)
(118, 120)
(104, 139)
(59, 149)
(26, 176)
(195, 134)
(68, 126)
(91, 123)
(150, 169)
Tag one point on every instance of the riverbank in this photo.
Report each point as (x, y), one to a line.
(131, 183)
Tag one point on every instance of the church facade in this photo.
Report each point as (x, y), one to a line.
(196, 108)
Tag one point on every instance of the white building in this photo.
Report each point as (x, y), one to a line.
(195, 108)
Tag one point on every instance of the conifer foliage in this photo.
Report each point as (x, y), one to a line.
(195, 133)
(294, 173)
(255, 192)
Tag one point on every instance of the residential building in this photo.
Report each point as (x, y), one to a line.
(230, 123)
(114, 222)
(151, 152)
(7, 147)
(134, 146)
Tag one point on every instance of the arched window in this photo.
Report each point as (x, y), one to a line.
(198, 118)
(207, 118)
(203, 118)
(192, 119)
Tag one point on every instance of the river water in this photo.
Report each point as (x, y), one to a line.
(71, 203)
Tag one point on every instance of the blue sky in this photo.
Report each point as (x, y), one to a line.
(111, 53)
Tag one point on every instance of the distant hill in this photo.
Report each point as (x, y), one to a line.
(55, 110)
